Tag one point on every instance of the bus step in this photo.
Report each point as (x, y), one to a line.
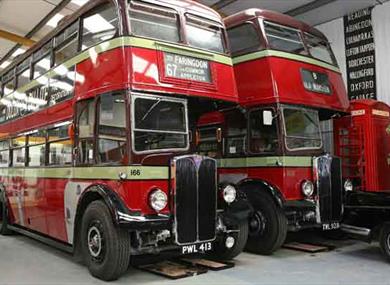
(307, 247)
(173, 270)
(209, 264)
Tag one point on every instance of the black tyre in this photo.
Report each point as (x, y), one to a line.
(267, 226)
(221, 252)
(384, 240)
(4, 215)
(105, 248)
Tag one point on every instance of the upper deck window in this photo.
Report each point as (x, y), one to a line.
(66, 44)
(284, 38)
(204, 34)
(100, 26)
(243, 38)
(154, 22)
(319, 48)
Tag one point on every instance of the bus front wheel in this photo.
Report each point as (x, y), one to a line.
(267, 226)
(105, 248)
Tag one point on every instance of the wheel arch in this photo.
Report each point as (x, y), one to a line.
(93, 193)
(251, 187)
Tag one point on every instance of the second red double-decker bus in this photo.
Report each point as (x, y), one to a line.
(272, 146)
(95, 132)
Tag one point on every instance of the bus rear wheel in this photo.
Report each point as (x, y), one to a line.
(267, 226)
(105, 248)
(3, 215)
(384, 240)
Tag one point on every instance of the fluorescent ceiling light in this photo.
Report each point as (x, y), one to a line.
(54, 20)
(5, 64)
(79, 2)
(97, 23)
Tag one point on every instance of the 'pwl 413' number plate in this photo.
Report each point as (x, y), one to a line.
(331, 226)
(196, 248)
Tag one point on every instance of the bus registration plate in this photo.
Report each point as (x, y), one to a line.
(186, 67)
(330, 226)
(196, 248)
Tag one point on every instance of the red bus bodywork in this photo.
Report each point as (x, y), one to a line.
(46, 200)
(272, 79)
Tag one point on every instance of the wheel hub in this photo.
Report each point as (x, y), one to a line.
(257, 223)
(94, 241)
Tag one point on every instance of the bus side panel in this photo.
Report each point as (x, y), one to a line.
(274, 79)
(101, 71)
(35, 204)
(55, 208)
(287, 179)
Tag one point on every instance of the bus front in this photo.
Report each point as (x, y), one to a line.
(273, 146)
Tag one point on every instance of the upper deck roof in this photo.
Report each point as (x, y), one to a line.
(180, 5)
(271, 16)
(190, 6)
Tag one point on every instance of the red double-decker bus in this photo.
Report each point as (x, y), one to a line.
(95, 127)
(272, 146)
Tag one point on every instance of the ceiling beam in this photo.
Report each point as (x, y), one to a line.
(39, 26)
(16, 38)
(308, 7)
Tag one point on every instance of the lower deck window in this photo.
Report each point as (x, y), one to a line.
(302, 128)
(36, 155)
(60, 152)
(18, 157)
(4, 158)
(159, 124)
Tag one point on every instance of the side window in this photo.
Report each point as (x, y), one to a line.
(100, 26)
(42, 60)
(59, 145)
(235, 136)
(85, 131)
(154, 22)
(112, 128)
(284, 38)
(23, 73)
(66, 44)
(243, 38)
(263, 137)
(18, 146)
(8, 82)
(41, 66)
(4, 153)
(61, 86)
(36, 148)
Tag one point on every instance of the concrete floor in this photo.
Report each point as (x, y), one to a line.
(25, 261)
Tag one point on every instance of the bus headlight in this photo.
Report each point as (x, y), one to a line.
(229, 194)
(307, 188)
(348, 186)
(158, 200)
